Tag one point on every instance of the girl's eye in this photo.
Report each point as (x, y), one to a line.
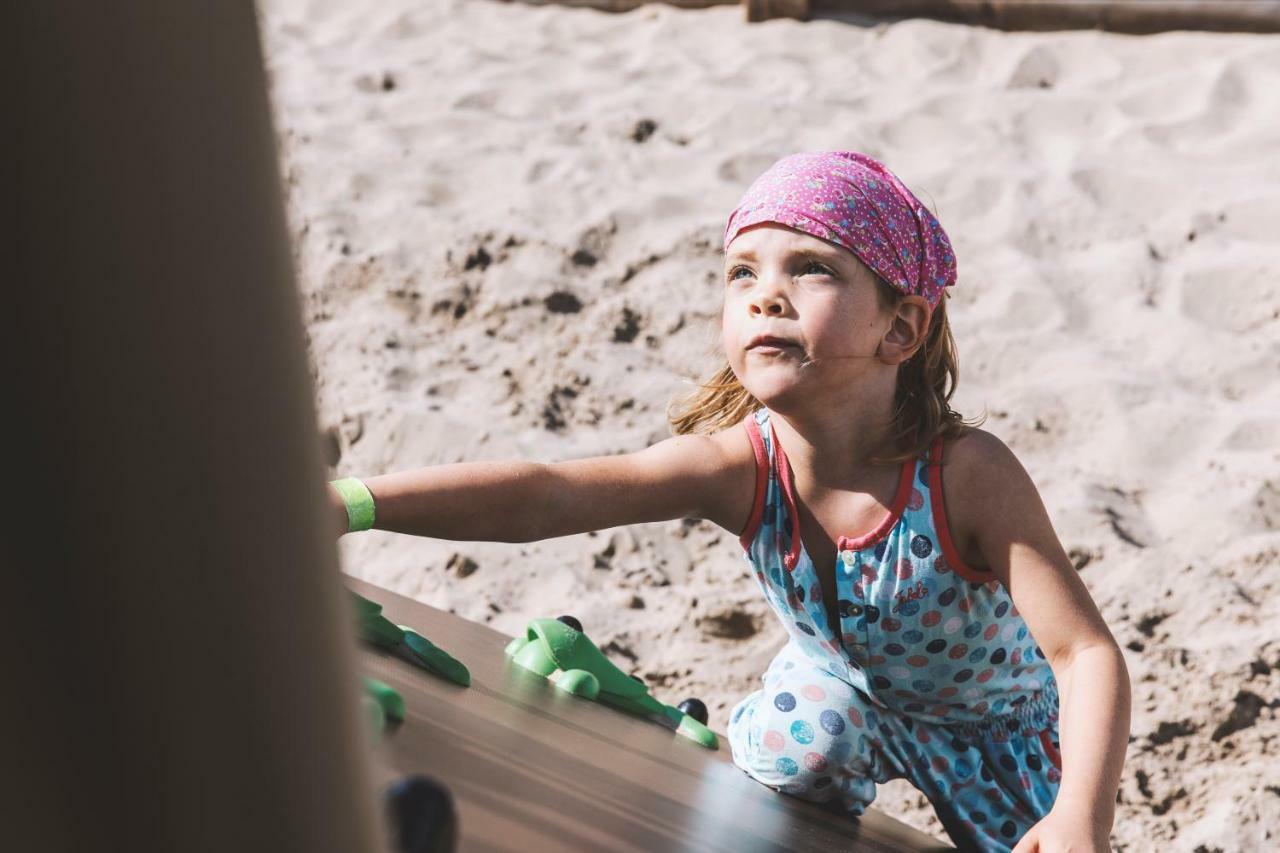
(811, 268)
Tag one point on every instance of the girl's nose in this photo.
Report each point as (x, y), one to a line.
(767, 301)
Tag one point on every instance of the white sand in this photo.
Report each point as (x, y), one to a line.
(1115, 206)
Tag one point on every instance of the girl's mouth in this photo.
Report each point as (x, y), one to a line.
(772, 349)
(770, 345)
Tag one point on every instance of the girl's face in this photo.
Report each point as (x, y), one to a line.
(817, 299)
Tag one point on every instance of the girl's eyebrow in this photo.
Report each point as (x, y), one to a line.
(829, 258)
(748, 255)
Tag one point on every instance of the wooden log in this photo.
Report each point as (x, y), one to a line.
(1127, 16)
(763, 10)
(629, 5)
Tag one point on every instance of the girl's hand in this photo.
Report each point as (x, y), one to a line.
(1066, 831)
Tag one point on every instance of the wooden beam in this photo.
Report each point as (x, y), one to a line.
(1127, 16)
(763, 10)
(629, 5)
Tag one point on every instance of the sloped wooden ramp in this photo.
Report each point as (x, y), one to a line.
(532, 768)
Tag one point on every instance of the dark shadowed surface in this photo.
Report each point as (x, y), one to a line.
(178, 669)
(533, 768)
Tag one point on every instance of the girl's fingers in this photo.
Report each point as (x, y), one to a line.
(1028, 844)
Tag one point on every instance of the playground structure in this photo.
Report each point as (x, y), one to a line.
(1124, 16)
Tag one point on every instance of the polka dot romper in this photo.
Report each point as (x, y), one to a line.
(933, 676)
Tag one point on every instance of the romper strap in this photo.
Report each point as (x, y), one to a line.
(748, 534)
(941, 525)
(934, 454)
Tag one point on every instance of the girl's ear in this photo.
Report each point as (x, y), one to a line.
(908, 326)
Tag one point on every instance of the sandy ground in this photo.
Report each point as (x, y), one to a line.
(507, 223)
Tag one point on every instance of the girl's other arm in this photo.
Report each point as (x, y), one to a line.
(687, 476)
(1017, 539)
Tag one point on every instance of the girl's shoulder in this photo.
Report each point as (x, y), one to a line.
(979, 459)
(737, 450)
(973, 446)
(982, 482)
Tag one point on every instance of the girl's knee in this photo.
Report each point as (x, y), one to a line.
(804, 744)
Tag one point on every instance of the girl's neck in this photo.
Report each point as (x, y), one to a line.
(831, 448)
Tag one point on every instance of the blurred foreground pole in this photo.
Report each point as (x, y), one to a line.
(174, 642)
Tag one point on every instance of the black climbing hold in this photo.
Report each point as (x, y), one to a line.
(423, 818)
(694, 708)
(570, 621)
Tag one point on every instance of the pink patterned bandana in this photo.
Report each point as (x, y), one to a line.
(855, 202)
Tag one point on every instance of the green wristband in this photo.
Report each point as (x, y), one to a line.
(359, 500)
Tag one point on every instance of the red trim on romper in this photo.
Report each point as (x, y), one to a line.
(1050, 750)
(790, 559)
(842, 542)
(762, 481)
(940, 519)
(891, 519)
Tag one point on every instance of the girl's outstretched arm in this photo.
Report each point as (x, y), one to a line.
(687, 476)
(1017, 539)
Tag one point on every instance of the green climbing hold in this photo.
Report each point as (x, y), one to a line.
(388, 699)
(435, 659)
(364, 607)
(374, 716)
(373, 626)
(405, 643)
(550, 645)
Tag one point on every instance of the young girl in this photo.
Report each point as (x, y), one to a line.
(935, 623)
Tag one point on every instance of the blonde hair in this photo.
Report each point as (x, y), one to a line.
(922, 410)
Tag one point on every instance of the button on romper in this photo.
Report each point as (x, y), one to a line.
(934, 676)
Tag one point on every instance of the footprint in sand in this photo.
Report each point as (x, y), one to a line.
(1163, 97)
(1037, 68)
(484, 100)
(1221, 109)
(1130, 190)
(1124, 513)
(1231, 297)
(1255, 434)
(593, 243)
(743, 168)
(1251, 219)
(977, 196)
(1032, 309)
(1264, 507)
